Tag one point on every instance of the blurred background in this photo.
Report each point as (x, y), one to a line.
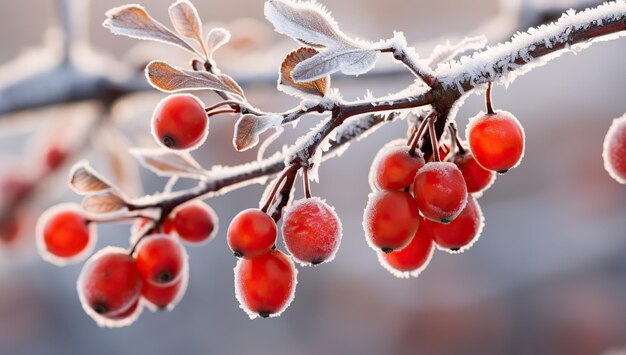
(547, 276)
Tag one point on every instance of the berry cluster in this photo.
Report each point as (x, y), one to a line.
(417, 203)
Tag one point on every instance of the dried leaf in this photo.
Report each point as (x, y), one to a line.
(286, 83)
(186, 21)
(307, 22)
(168, 163)
(104, 202)
(170, 79)
(133, 21)
(350, 61)
(83, 180)
(249, 127)
(216, 38)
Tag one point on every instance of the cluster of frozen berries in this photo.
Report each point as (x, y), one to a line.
(416, 204)
(115, 283)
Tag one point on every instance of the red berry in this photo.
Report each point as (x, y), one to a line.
(413, 258)
(10, 229)
(312, 231)
(125, 318)
(265, 285)
(461, 233)
(390, 220)
(64, 235)
(394, 168)
(440, 191)
(109, 283)
(614, 152)
(180, 122)
(160, 259)
(195, 222)
(165, 297)
(477, 179)
(251, 233)
(14, 187)
(496, 140)
(55, 156)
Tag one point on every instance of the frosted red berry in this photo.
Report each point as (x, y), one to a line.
(477, 179)
(462, 232)
(390, 220)
(413, 258)
(614, 150)
(496, 140)
(265, 285)
(251, 233)
(440, 192)
(109, 283)
(64, 235)
(395, 167)
(165, 297)
(195, 223)
(180, 122)
(160, 259)
(312, 231)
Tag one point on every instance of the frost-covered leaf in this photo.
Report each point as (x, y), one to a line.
(286, 83)
(103, 202)
(307, 22)
(133, 21)
(168, 163)
(187, 22)
(249, 127)
(350, 61)
(170, 79)
(216, 38)
(83, 180)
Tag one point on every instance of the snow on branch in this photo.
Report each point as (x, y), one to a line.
(527, 50)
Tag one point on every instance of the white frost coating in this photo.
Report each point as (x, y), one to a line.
(614, 150)
(497, 63)
(41, 244)
(318, 241)
(371, 177)
(268, 141)
(240, 299)
(349, 61)
(405, 274)
(445, 52)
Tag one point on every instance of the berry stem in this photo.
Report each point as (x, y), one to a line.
(454, 133)
(409, 142)
(488, 100)
(418, 135)
(220, 112)
(235, 105)
(433, 136)
(281, 178)
(307, 185)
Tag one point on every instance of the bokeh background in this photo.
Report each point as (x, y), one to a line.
(547, 276)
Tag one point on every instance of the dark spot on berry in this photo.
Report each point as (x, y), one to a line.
(100, 307)
(162, 308)
(445, 221)
(265, 314)
(164, 277)
(455, 249)
(237, 253)
(386, 250)
(169, 142)
(317, 261)
(502, 172)
(274, 247)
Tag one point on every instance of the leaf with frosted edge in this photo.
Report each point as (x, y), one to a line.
(287, 84)
(170, 79)
(216, 38)
(249, 127)
(168, 163)
(349, 61)
(187, 22)
(307, 22)
(133, 21)
(83, 180)
(103, 202)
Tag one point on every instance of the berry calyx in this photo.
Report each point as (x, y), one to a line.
(251, 233)
(413, 258)
(394, 167)
(160, 259)
(496, 140)
(312, 231)
(265, 285)
(195, 223)
(477, 179)
(614, 150)
(180, 122)
(462, 232)
(109, 283)
(64, 235)
(390, 220)
(440, 192)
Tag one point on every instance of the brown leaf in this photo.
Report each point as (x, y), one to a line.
(186, 21)
(231, 84)
(167, 163)
(84, 180)
(216, 38)
(288, 85)
(170, 79)
(133, 21)
(104, 202)
(249, 127)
